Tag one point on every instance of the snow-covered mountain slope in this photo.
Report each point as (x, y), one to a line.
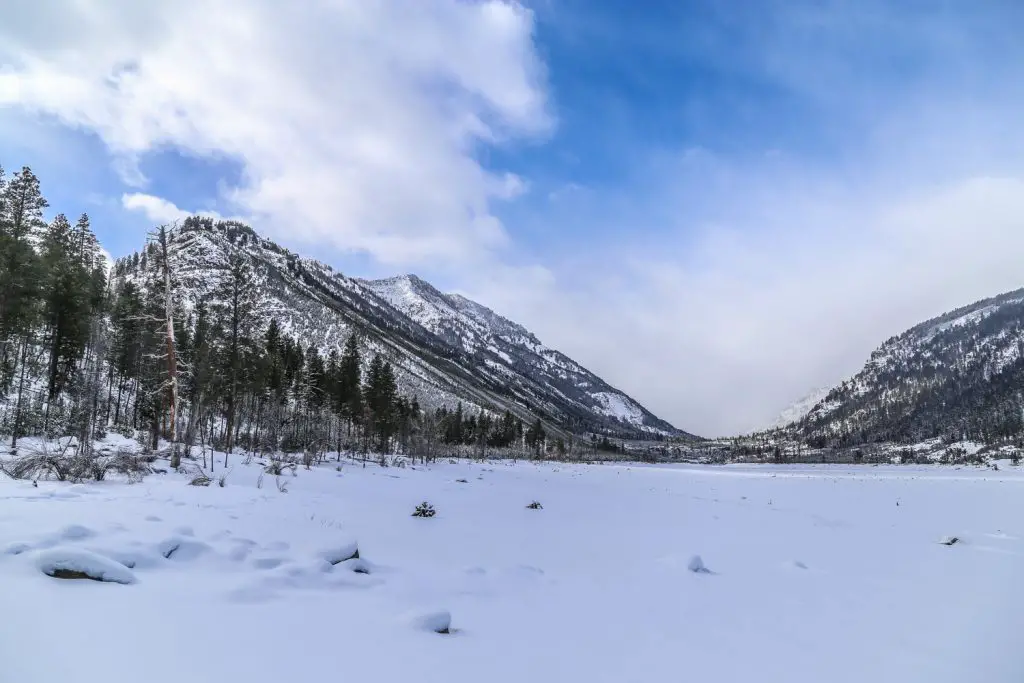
(798, 409)
(958, 376)
(445, 348)
(513, 352)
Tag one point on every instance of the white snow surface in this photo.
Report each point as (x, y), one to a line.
(818, 573)
(799, 409)
(619, 407)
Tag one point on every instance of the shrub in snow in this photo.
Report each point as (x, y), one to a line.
(200, 480)
(74, 563)
(64, 461)
(696, 565)
(341, 553)
(534, 506)
(424, 509)
(279, 463)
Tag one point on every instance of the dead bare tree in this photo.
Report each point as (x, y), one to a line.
(172, 361)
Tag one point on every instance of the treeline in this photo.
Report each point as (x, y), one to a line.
(53, 294)
(88, 347)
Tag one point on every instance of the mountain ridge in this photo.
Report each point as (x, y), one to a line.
(956, 376)
(446, 348)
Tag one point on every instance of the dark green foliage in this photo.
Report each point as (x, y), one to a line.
(424, 509)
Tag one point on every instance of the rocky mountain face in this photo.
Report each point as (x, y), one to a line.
(958, 377)
(445, 348)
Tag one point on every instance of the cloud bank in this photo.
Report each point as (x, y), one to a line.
(355, 124)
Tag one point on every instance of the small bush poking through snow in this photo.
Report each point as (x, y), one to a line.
(535, 506)
(73, 563)
(279, 463)
(200, 480)
(424, 509)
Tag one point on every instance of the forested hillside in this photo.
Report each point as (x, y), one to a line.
(212, 336)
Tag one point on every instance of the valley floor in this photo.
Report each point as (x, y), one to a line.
(814, 574)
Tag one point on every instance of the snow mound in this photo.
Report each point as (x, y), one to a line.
(182, 549)
(439, 621)
(341, 553)
(16, 549)
(133, 559)
(76, 532)
(696, 565)
(74, 563)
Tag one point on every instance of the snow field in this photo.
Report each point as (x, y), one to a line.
(810, 574)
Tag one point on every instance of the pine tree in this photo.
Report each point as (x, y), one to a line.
(21, 211)
(238, 310)
(350, 382)
(67, 305)
(24, 203)
(535, 437)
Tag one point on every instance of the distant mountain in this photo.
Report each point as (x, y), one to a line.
(445, 348)
(956, 377)
(798, 409)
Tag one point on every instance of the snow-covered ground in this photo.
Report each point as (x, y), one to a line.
(811, 574)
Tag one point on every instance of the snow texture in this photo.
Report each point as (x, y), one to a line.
(599, 588)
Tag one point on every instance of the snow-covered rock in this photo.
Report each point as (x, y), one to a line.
(73, 563)
(437, 621)
(342, 552)
(696, 565)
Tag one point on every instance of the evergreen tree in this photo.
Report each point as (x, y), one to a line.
(535, 437)
(349, 396)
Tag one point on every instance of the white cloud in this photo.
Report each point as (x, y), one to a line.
(155, 209)
(720, 329)
(355, 123)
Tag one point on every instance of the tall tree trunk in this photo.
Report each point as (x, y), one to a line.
(21, 390)
(172, 360)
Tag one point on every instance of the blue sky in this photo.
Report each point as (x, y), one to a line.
(715, 205)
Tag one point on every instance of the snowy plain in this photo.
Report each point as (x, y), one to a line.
(811, 574)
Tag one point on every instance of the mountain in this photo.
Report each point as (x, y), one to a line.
(445, 348)
(798, 409)
(956, 377)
